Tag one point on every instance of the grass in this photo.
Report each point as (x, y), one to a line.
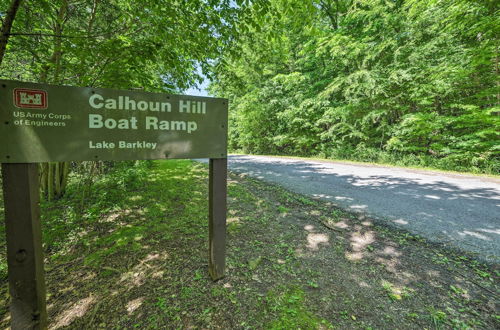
(133, 254)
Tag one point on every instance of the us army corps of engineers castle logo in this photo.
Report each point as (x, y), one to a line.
(30, 98)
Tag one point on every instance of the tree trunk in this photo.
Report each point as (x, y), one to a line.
(50, 181)
(64, 179)
(54, 183)
(44, 171)
(7, 26)
(55, 59)
(57, 179)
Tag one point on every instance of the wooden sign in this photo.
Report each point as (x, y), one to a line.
(46, 123)
(42, 123)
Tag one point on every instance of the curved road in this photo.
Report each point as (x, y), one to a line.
(458, 210)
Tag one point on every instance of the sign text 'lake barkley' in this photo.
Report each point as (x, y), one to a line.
(55, 123)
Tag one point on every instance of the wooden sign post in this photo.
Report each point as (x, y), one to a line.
(24, 246)
(217, 192)
(45, 123)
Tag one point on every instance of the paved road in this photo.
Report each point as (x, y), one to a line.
(461, 211)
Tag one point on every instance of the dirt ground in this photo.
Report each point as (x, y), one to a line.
(137, 258)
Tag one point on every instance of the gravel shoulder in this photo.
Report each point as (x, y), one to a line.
(459, 211)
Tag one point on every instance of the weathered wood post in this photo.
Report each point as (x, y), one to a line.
(217, 216)
(24, 246)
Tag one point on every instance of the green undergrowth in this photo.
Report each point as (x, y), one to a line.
(129, 250)
(288, 310)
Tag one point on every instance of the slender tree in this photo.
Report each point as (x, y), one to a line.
(8, 20)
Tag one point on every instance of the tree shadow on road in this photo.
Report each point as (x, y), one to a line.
(443, 212)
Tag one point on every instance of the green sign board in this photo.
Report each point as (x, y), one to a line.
(45, 123)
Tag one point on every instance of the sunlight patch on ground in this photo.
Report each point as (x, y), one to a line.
(395, 292)
(134, 278)
(115, 215)
(474, 234)
(408, 277)
(341, 225)
(134, 304)
(233, 220)
(400, 221)
(144, 270)
(390, 264)
(358, 207)
(360, 241)
(360, 281)
(309, 227)
(433, 273)
(315, 239)
(322, 196)
(90, 276)
(343, 198)
(391, 251)
(67, 289)
(363, 284)
(354, 256)
(135, 198)
(491, 231)
(78, 310)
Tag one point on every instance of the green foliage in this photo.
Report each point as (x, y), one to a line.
(412, 82)
(3, 270)
(153, 45)
(288, 310)
(85, 203)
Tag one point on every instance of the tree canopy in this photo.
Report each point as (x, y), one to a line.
(152, 44)
(415, 80)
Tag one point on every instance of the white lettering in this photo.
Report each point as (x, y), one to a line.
(151, 123)
(110, 123)
(178, 125)
(184, 106)
(164, 125)
(192, 126)
(92, 101)
(154, 106)
(95, 121)
(142, 105)
(166, 106)
(129, 104)
(97, 101)
(101, 145)
(110, 104)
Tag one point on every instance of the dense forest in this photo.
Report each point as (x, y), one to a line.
(412, 82)
(407, 82)
(148, 45)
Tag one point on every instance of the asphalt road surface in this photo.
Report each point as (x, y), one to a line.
(458, 210)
